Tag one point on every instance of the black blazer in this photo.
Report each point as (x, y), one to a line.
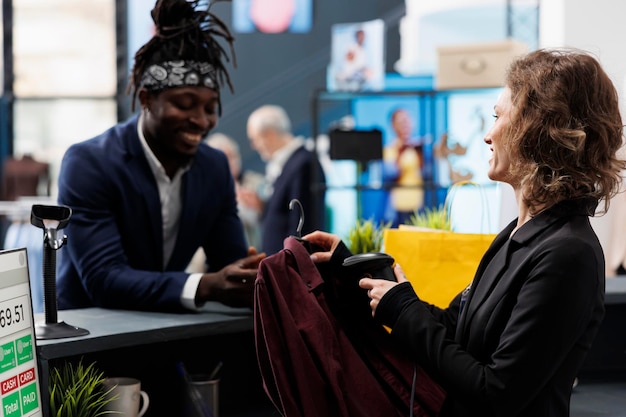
(535, 306)
(302, 178)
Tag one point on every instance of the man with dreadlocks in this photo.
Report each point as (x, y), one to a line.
(147, 193)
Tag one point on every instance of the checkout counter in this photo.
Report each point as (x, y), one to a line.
(149, 345)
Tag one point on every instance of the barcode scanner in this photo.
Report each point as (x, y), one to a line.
(371, 265)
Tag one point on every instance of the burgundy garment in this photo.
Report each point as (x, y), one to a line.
(321, 354)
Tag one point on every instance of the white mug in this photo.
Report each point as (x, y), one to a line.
(126, 394)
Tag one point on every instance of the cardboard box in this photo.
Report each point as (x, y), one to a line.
(477, 65)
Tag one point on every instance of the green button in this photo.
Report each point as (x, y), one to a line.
(24, 349)
(30, 400)
(11, 405)
(7, 357)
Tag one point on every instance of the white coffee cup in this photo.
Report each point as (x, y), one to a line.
(126, 394)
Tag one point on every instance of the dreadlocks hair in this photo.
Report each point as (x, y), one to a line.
(184, 30)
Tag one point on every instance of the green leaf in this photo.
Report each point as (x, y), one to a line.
(78, 391)
(366, 236)
(431, 218)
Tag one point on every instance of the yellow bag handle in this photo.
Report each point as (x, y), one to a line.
(452, 192)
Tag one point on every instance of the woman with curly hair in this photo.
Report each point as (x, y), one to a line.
(147, 193)
(513, 342)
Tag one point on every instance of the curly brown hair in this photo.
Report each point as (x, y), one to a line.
(184, 30)
(565, 128)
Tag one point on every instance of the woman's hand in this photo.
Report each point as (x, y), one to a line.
(327, 241)
(377, 288)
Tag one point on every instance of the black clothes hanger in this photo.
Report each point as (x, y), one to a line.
(296, 202)
(298, 236)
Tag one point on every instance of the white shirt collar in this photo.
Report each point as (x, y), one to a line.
(275, 165)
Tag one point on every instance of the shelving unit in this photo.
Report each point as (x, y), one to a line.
(356, 190)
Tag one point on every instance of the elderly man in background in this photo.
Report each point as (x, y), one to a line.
(292, 172)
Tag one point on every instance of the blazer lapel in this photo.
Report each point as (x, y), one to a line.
(496, 259)
(145, 184)
(493, 271)
(485, 277)
(189, 212)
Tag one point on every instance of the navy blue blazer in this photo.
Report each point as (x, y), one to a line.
(114, 254)
(536, 303)
(302, 178)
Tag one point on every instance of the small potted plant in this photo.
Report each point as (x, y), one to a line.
(366, 236)
(431, 218)
(77, 391)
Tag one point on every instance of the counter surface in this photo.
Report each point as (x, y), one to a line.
(615, 290)
(111, 329)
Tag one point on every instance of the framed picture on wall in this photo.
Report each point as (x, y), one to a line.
(357, 57)
(272, 16)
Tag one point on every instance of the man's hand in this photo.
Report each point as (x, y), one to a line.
(233, 285)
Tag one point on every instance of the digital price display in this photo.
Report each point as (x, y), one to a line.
(19, 375)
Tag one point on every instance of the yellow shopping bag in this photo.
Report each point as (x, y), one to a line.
(439, 264)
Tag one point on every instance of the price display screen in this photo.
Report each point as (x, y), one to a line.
(19, 375)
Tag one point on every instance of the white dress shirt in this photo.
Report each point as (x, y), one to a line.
(171, 208)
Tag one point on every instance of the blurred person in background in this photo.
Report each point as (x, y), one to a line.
(244, 180)
(403, 160)
(292, 171)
